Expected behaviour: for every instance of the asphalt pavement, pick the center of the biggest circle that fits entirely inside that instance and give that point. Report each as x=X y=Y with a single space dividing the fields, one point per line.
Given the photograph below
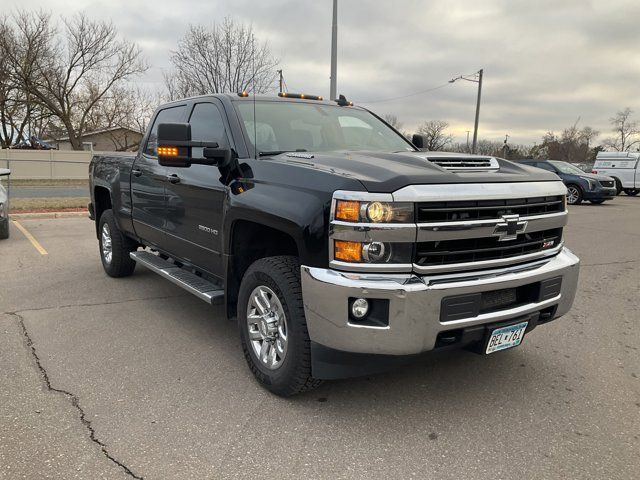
x=135 y=378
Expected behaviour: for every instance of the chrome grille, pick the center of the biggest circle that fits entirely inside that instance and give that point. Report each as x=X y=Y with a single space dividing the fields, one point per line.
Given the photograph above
x=448 y=252
x=487 y=209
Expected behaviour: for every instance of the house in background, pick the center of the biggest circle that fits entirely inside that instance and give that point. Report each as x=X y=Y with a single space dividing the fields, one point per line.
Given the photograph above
x=119 y=139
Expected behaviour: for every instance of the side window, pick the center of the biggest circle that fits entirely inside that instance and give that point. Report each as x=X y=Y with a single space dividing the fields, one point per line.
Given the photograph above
x=545 y=166
x=168 y=115
x=207 y=125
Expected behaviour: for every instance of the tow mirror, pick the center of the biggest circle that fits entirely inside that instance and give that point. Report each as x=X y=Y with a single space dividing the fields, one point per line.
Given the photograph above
x=174 y=144
x=4 y=172
x=418 y=140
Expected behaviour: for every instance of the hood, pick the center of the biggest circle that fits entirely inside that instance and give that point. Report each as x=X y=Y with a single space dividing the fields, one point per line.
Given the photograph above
x=594 y=176
x=388 y=172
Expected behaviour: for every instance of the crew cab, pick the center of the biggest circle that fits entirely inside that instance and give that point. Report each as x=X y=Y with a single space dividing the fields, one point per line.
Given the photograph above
x=337 y=246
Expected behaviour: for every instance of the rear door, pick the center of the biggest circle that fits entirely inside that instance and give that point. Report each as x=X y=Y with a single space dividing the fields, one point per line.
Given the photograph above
x=196 y=195
x=148 y=179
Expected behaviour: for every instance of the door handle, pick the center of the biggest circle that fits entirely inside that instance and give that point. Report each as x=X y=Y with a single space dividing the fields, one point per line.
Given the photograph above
x=136 y=172
x=173 y=178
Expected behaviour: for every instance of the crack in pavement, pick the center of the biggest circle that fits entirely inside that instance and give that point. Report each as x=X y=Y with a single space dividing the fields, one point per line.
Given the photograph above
x=621 y=262
x=115 y=302
x=75 y=401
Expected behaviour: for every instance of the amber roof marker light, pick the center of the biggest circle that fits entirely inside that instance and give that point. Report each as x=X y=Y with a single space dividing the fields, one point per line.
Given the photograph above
x=302 y=96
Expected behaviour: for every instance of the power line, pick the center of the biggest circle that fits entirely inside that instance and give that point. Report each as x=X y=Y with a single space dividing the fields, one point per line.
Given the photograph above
x=407 y=95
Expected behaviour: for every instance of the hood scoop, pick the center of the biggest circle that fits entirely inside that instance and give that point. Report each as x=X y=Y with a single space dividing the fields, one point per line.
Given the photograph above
x=465 y=163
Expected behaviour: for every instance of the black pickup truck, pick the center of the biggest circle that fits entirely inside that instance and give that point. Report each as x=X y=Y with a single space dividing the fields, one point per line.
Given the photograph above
x=339 y=247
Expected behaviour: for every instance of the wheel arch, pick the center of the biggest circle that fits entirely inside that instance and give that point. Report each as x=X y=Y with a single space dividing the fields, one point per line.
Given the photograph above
x=102 y=202
x=244 y=250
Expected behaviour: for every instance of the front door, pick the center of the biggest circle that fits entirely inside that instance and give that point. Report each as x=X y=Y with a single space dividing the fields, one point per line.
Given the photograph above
x=196 y=195
x=148 y=179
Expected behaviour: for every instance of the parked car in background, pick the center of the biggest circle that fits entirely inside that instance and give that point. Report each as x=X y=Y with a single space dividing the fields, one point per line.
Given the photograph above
x=4 y=206
x=580 y=185
x=624 y=167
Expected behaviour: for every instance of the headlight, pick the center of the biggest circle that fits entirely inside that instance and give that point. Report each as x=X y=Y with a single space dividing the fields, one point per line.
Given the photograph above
x=374 y=212
x=592 y=183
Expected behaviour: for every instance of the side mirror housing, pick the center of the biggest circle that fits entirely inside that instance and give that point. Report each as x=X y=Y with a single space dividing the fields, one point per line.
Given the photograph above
x=4 y=172
x=174 y=144
x=418 y=140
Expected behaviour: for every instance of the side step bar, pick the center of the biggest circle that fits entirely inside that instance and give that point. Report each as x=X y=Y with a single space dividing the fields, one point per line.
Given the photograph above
x=205 y=290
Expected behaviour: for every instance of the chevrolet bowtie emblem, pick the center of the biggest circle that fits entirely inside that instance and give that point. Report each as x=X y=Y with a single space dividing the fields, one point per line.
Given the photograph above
x=510 y=227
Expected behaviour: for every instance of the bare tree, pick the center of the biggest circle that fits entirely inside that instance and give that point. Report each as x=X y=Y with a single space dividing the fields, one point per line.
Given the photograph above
x=69 y=68
x=20 y=116
x=627 y=132
x=435 y=135
x=572 y=145
x=224 y=58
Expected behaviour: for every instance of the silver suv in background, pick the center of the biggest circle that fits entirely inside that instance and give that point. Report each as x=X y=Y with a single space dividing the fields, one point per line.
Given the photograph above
x=4 y=205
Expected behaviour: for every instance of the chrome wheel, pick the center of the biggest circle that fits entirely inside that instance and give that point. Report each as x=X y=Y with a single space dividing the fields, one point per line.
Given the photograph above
x=573 y=194
x=107 y=249
x=267 y=324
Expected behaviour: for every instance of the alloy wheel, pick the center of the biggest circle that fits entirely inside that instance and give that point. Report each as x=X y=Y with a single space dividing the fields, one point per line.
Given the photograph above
x=107 y=249
x=267 y=326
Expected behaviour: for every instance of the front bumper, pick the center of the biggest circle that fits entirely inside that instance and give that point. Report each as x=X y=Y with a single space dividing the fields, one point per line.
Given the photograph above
x=414 y=316
x=600 y=193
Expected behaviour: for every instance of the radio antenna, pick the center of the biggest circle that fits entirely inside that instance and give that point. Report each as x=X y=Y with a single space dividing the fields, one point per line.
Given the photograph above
x=255 y=120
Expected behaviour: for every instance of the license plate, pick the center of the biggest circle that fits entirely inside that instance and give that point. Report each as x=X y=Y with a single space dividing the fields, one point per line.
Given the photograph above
x=506 y=337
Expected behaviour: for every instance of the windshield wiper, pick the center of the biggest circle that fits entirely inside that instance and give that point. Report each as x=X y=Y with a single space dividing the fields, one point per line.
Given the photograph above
x=279 y=152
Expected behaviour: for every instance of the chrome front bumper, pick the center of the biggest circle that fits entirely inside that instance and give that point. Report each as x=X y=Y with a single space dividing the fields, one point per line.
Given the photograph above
x=414 y=303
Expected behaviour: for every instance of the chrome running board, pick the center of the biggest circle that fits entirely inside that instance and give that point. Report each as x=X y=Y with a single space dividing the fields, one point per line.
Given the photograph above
x=210 y=292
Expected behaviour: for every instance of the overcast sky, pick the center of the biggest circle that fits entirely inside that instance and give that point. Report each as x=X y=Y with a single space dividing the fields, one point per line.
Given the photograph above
x=546 y=62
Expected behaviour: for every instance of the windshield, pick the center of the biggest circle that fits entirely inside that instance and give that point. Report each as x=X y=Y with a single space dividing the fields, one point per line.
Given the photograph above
x=302 y=126
x=565 y=167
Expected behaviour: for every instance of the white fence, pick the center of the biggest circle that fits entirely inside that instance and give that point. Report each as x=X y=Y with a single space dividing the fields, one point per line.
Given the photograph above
x=46 y=164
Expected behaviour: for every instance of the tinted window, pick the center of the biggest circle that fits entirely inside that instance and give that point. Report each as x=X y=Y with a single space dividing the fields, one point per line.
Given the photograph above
x=545 y=166
x=207 y=125
x=168 y=115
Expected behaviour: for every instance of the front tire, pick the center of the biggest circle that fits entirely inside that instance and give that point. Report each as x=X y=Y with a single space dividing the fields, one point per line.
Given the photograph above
x=597 y=202
x=632 y=192
x=618 y=186
x=273 y=329
x=574 y=195
x=115 y=247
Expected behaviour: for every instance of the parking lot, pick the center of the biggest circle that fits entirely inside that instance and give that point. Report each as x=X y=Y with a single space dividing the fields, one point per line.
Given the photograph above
x=135 y=378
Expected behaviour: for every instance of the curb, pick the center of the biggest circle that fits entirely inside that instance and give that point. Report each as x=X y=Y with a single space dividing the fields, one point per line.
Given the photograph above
x=40 y=215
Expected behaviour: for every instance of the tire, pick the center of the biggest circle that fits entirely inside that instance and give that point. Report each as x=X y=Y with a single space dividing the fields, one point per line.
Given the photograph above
x=618 y=186
x=286 y=366
x=597 y=202
x=4 y=228
x=574 y=194
x=118 y=264
x=632 y=192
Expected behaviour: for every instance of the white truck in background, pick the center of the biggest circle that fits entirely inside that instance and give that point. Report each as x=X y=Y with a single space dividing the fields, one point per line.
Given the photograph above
x=624 y=167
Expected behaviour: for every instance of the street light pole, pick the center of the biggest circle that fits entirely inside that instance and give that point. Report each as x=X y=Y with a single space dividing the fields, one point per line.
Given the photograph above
x=474 y=145
x=280 y=73
x=334 y=52
x=479 y=74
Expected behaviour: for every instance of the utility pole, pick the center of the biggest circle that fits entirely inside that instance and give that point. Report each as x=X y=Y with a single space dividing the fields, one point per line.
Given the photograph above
x=334 y=52
x=477 y=78
x=468 y=131
x=280 y=74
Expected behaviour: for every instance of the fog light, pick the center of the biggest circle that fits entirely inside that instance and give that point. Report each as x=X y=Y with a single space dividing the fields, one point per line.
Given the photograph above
x=359 y=308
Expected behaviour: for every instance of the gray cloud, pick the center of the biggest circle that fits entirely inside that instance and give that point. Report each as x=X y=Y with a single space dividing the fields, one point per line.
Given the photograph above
x=547 y=62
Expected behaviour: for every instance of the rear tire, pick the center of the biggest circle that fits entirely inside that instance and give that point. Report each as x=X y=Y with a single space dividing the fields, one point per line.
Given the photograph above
x=4 y=228
x=273 y=329
x=632 y=192
x=574 y=195
x=115 y=247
